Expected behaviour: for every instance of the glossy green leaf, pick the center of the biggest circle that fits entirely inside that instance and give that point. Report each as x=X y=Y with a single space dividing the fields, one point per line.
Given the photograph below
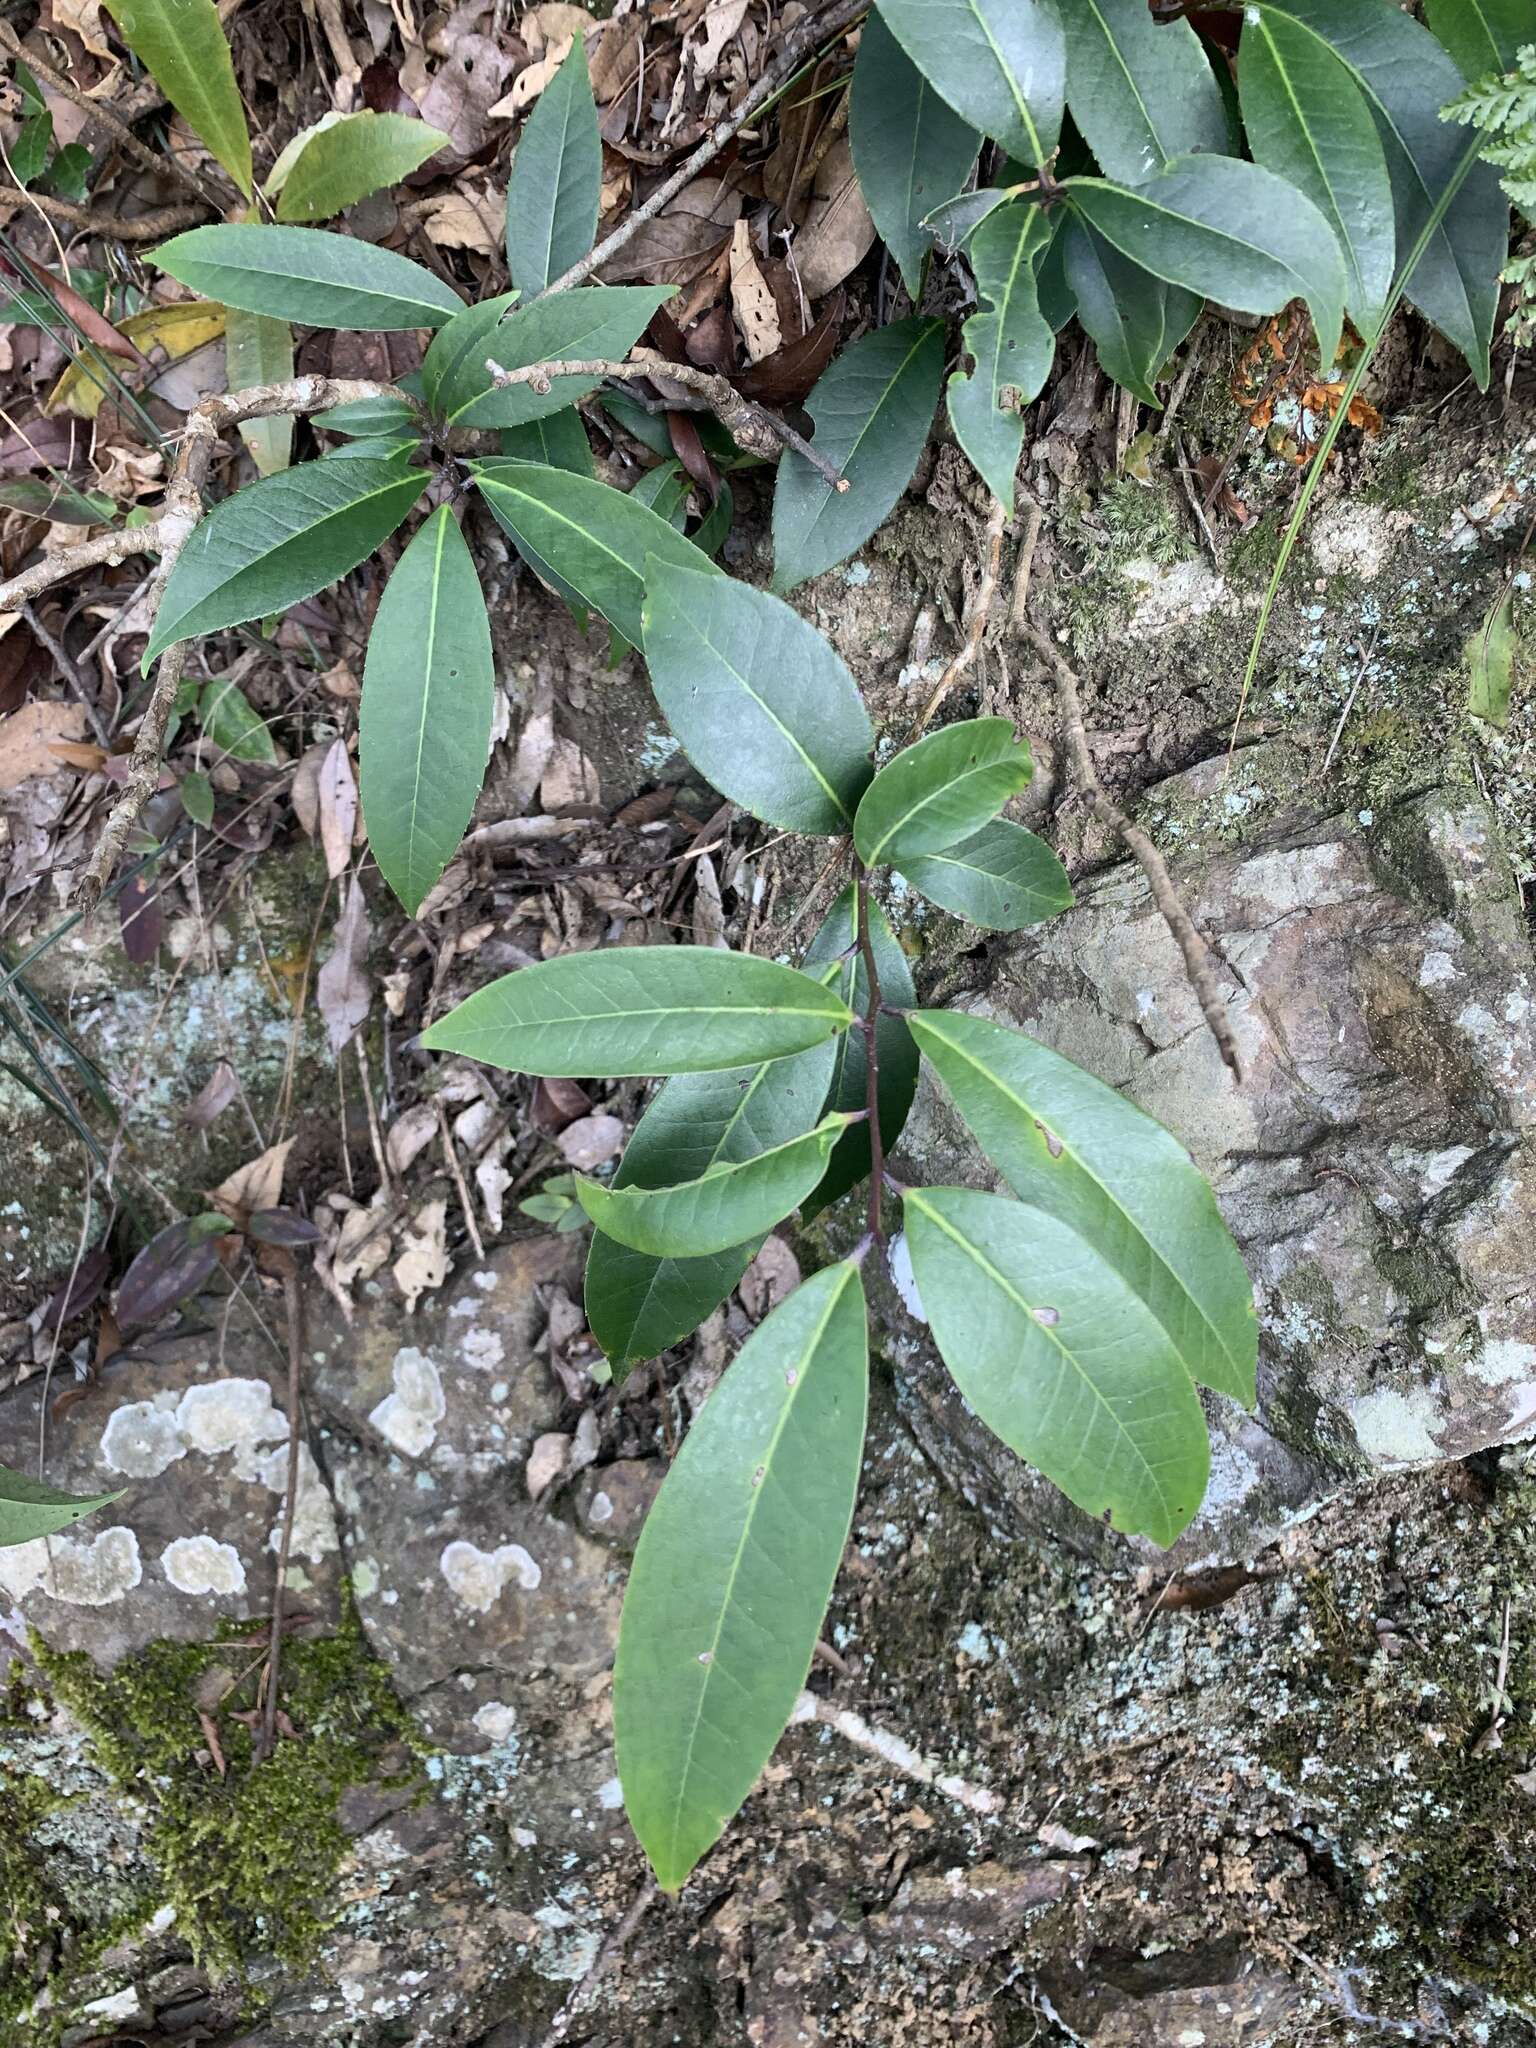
x=429 y=688
x=952 y=220
x=830 y=953
x=1010 y=342
x=1407 y=78
x=599 y=323
x=558 y=441
x=1001 y=64
x=941 y=790
x=734 y=1569
x=233 y=725
x=664 y=490
x=307 y=275
x=1073 y=1147
x=260 y=351
x=29 y=1509
x=1002 y=879
x=1227 y=230
x=1307 y=121
x=1482 y=35
x=910 y=147
x=556 y=181
x=725 y=1207
x=344 y=160
x=761 y=703
x=637 y=1305
x=281 y=540
x=43 y=498
x=370 y=419
x=1135 y=320
x=1059 y=1357
x=1141 y=91
x=595 y=538
x=872 y=406
x=634 y=1010
x=1490 y=656
x=181 y=43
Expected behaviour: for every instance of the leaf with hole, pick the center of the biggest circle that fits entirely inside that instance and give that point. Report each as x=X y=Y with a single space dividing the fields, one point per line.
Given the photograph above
x=760 y=701
x=181 y=43
x=308 y=276
x=429 y=689
x=1002 y=879
x=1227 y=230
x=1073 y=1147
x=556 y=181
x=29 y=1509
x=872 y=408
x=281 y=540
x=941 y=790
x=599 y=323
x=1001 y=64
x=1141 y=91
x=734 y=1569
x=910 y=147
x=1059 y=1357
x=342 y=161
x=1010 y=342
x=637 y=1010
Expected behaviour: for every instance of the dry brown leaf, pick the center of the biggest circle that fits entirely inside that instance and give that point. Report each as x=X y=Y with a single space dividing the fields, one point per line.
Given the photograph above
x=423 y=1266
x=27 y=737
x=306 y=788
x=341 y=987
x=614 y=58
x=530 y=82
x=410 y=1135
x=362 y=1244
x=546 y=1462
x=708 y=913
x=493 y=1179
x=84 y=17
x=683 y=239
x=256 y=1185
x=754 y=305
x=591 y=1142
x=554 y=21
x=772 y=1276
x=720 y=21
x=458 y=220
x=337 y=791
x=213 y=1098
x=838 y=231
x=457 y=97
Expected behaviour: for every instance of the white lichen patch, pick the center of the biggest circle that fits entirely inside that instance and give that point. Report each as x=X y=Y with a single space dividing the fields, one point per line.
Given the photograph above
x=94 y=1574
x=231 y=1415
x=1503 y=1360
x=477 y=1577
x=203 y=1567
x=483 y=1349
x=1173 y=596
x=141 y=1440
x=903 y=1279
x=409 y=1416
x=1355 y=538
x=496 y=1722
x=314 y=1518
x=1394 y=1428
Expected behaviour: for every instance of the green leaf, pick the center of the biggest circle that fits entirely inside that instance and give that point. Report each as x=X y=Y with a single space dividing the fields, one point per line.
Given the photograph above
x=196 y=793
x=872 y=406
x=909 y=146
x=1227 y=230
x=28 y=1509
x=637 y=1305
x=999 y=63
x=558 y=441
x=29 y=152
x=308 y=276
x=429 y=687
x=1011 y=344
x=1141 y=91
x=260 y=351
x=709 y=536
x=1073 y=1147
x=662 y=491
x=20 y=306
x=1308 y=122
x=1059 y=1357
x=1490 y=655
x=556 y=181
x=281 y=540
x=725 y=1207
x=181 y=44
x=734 y=1569
x=1482 y=35
x=941 y=790
x=225 y=714
x=370 y=419
x=1407 y=78
x=599 y=323
x=45 y=499
x=346 y=159
x=1002 y=879
x=596 y=539
x=849 y=1085
x=1134 y=319
x=760 y=701
x=641 y=1010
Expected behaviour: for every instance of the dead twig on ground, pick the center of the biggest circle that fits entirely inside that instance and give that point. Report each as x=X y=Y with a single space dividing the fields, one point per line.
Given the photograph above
x=450 y=1153
x=147 y=227
x=1199 y=960
x=293 y=1300
x=981 y=611
x=894 y=1751
x=64 y=662
x=613 y=1947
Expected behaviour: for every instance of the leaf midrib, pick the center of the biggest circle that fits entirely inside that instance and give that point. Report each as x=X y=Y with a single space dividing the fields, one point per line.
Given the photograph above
x=1282 y=72
x=1205 y=227
x=1026 y=118
x=1130 y=79
x=445 y=517
x=829 y=497
x=877 y=850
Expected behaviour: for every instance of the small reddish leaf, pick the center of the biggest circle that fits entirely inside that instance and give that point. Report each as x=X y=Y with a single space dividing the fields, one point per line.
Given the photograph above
x=143 y=923
x=282 y=1227
x=174 y=1264
x=78 y=1289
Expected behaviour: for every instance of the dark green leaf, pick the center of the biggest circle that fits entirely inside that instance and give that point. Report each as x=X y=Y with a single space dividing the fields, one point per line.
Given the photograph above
x=709 y=536
x=641 y=1010
x=952 y=220
x=309 y=276
x=558 y=441
x=940 y=791
x=345 y=161
x=197 y=797
x=1134 y=319
x=69 y=173
x=181 y=43
x=872 y=407
x=595 y=538
x=1011 y=344
x=1076 y=1149
x=1483 y=35
x=28 y=1509
x=761 y=702
x=662 y=490
x=909 y=146
x=1059 y=1357
x=1491 y=664
x=224 y=712
x=599 y=323
x=1002 y=879
x=29 y=152
x=429 y=687
x=281 y=540
x=1140 y=90
x=1307 y=121
x=734 y=1569
x=999 y=63
x=22 y=307
x=1229 y=231
x=556 y=181
x=44 y=499
x=370 y=418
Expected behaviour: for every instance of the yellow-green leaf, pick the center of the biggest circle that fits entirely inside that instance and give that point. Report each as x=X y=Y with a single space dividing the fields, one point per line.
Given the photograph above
x=181 y=44
x=343 y=160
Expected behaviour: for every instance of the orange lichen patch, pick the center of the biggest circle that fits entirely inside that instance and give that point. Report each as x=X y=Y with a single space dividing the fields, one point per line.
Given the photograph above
x=1272 y=377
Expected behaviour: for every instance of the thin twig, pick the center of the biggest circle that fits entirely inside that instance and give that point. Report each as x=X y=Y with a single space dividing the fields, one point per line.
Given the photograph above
x=1023 y=575
x=1367 y=654
x=1199 y=960
x=895 y=1751
x=751 y=425
x=293 y=1300
x=871 y=1029
x=64 y=662
x=613 y=1947
x=458 y=1180
x=811 y=35
x=63 y=565
x=147 y=227
x=981 y=610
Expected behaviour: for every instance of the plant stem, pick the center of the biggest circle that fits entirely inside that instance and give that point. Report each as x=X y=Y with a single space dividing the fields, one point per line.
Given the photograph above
x=871 y=1026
